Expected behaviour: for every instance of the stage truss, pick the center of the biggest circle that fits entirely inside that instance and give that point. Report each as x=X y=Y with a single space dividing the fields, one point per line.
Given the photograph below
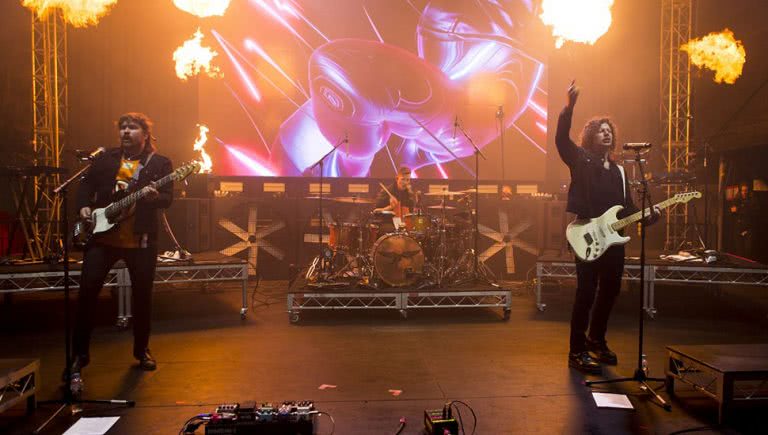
x=675 y=71
x=400 y=299
x=118 y=278
x=657 y=274
x=50 y=117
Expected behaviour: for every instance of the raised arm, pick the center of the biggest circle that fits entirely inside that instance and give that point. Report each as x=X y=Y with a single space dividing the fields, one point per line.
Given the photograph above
x=565 y=146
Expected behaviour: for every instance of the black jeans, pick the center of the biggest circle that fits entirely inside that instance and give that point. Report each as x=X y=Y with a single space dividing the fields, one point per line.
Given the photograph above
x=97 y=261
x=605 y=273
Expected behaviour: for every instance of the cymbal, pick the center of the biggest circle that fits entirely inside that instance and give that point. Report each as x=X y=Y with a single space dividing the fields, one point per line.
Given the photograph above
x=352 y=199
x=443 y=193
x=440 y=207
x=344 y=199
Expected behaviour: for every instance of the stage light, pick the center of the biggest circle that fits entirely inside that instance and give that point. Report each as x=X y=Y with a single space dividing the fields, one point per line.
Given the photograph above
x=578 y=21
x=720 y=52
x=203 y=8
x=202 y=138
x=191 y=58
x=79 y=13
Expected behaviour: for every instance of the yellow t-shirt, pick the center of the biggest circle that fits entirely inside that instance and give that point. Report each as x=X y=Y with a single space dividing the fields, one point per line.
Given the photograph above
x=123 y=236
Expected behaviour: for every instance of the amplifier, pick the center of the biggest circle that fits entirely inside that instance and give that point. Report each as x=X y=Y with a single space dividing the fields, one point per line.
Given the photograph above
x=248 y=418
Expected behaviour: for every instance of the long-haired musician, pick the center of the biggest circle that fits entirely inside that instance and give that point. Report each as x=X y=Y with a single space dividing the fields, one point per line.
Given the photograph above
x=597 y=184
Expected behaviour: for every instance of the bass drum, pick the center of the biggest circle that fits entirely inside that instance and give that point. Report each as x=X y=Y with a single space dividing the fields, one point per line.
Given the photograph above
x=398 y=259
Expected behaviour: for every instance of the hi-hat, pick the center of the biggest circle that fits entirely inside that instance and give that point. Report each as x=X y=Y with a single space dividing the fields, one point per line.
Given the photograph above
x=439 y=207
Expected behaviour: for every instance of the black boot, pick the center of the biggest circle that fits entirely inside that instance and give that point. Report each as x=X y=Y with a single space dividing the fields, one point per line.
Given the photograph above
x=583 y=361
x=146 y=361
x=601 y=352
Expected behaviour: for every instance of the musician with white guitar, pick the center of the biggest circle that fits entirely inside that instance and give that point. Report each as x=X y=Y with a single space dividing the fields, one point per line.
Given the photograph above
x=597 y=184
x=133 y=167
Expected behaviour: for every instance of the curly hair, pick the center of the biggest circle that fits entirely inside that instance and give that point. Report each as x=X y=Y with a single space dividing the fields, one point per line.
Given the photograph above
x=590 y=130
x=144 y=122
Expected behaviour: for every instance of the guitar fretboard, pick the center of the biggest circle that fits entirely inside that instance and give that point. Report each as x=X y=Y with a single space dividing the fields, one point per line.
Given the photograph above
x=118 y=206
x=634 y=217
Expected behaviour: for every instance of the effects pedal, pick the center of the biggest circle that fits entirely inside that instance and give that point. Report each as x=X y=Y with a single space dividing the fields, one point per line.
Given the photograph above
x=440 y=422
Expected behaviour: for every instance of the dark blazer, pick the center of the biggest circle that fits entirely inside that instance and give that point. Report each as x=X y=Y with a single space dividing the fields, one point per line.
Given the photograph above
x=582 y=163
x=98 y=184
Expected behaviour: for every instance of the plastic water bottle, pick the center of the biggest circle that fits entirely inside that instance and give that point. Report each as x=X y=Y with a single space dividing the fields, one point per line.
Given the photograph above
x=645 y=365
x=76 y=385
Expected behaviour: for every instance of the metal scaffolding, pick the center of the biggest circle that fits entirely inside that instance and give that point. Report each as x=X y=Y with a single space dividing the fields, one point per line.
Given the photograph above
x=50 y=108
x=676 y=18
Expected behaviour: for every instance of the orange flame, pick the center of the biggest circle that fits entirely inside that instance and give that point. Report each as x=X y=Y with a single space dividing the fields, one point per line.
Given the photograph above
x=191 y=58
x=79 y=13
x=720 y=52
x=579 y=21
x=203 y=8
x=202 y=138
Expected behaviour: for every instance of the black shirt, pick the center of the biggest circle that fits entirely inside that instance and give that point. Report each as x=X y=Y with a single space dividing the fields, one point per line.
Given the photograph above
x=594 y=189
x=406 y=198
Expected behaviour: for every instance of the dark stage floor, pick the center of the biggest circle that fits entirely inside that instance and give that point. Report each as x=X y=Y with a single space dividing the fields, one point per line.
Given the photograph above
x=514 y=374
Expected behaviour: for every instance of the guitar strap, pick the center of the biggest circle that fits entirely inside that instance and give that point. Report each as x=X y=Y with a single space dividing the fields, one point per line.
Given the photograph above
x=142 y=166
x=623 y=182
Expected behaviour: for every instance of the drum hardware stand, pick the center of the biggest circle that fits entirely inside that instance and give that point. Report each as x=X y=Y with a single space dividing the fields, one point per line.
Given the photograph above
x=640 y=375
x=72 y=387
x=476 y=273
x=325 y=263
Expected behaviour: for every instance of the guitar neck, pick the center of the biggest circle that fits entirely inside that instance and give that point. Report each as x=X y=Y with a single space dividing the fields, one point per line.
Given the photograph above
x=634 y=217
x=131 y=199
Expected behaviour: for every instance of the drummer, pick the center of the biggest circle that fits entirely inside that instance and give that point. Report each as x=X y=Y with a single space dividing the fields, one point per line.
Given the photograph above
x=403 y=197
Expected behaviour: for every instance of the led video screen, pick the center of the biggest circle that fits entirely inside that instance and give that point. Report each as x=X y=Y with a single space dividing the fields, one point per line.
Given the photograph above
x=388 y=83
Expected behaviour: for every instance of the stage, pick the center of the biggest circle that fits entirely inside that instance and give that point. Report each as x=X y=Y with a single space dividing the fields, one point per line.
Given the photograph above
x=514 y=373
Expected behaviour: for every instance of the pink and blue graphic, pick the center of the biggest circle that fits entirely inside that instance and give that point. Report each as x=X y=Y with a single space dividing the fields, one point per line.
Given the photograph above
x=386 y=103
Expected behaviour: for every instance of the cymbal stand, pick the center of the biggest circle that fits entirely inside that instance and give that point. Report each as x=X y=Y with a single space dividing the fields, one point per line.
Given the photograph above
x=478 y=274
x=325 y=263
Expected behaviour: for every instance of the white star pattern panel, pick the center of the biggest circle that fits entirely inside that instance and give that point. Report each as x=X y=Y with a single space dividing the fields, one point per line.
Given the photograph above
x=256 y=231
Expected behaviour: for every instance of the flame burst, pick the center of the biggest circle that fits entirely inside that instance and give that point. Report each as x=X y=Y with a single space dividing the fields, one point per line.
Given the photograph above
x=203 y=8
x=191 y=58
x=202 y=138
x=720 y=52
x=579 y=21
x=79 y=13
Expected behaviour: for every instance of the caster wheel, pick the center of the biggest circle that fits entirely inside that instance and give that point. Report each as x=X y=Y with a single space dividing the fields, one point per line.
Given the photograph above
x=507 y=314
x=294 y=317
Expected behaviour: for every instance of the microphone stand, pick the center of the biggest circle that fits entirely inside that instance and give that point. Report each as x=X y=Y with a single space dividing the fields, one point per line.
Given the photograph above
x=321 y=163
x=71 y=392
x=641 y=375
x=500 y=117
x=478 y=154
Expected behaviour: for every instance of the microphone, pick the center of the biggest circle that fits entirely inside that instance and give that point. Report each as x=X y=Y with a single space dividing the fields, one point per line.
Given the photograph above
x=636 y=146
x=95 y=153
x=500 y=112
x=346 y=137
x=455 y=124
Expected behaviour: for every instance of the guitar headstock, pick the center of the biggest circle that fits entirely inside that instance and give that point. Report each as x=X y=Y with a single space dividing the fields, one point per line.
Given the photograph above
x=187 y=169
x=686 y=196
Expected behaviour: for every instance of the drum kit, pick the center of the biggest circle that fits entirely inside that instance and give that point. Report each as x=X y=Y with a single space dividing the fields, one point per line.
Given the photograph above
x=425 y=247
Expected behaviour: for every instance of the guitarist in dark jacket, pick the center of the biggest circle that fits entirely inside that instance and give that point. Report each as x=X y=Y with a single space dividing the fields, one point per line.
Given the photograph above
x=132 y=166
x=597 y=184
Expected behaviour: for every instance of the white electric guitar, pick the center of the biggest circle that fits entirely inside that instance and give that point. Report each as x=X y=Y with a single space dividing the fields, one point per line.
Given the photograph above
x=590 y=238
x=107 y=218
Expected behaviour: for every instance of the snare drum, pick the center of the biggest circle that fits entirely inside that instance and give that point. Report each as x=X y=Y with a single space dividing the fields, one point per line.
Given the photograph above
x=398 y=259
